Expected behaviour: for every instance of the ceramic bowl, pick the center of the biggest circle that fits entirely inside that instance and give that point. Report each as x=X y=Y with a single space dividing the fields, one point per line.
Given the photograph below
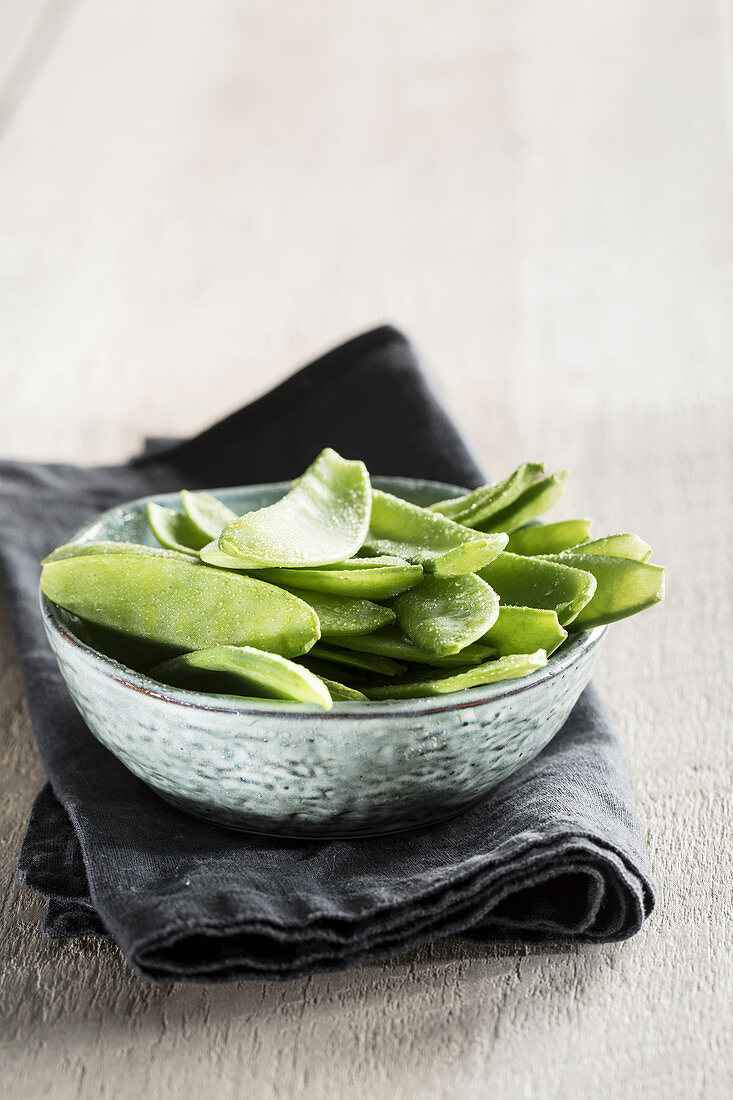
x=296 y=770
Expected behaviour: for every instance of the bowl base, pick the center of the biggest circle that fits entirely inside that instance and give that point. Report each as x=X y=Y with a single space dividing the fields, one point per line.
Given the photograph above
x=333 y=833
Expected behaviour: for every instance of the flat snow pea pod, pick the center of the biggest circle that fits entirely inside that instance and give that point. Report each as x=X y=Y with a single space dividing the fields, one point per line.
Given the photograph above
x=443 y=615
x=233 y=670
x=389 y=641
x=174 y=530
x=324 y=518
x=341 y=693
x=82 y=549
x=624 y=586
x=174 y=602
x=613 y=546
x=417 y=686
x=539 y=582
x=366 y=662
x=426 y=538
x=549 y=538
x=212 y=555
x=366 y=578
x=536 y=499
x=525 y=630
x=344 y=614
x=483 y=502
x=207 y=514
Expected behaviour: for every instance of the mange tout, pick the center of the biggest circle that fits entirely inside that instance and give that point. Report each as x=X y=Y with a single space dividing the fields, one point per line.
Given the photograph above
x=623 y=587
x=180 y=604
x=228 y=669
x=549 y=538
x=364 y=662
x=322 y=519
x=525 y=630
x=85 y=549
x=207 y=515
x=174 y=530
x=344 y=614
x=426 y=538
x=536 y=499
x=376 y=578
x=340 y=693
x=443 y=615
x=614 y=546
x=479 y=505
x=537 y=582
x=417 y=686
x=389 y=641
x=409 y=601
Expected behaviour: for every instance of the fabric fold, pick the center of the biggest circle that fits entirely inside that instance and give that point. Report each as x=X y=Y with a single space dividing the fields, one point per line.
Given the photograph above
x=554 y=854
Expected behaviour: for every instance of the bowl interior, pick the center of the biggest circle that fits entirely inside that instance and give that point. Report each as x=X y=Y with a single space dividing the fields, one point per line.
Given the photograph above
x=128 y=523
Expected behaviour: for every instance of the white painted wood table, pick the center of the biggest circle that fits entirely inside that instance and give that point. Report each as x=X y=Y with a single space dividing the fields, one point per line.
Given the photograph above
x=196 y=198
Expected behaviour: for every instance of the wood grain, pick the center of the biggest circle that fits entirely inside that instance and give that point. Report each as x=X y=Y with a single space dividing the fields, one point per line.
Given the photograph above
x=196 y=198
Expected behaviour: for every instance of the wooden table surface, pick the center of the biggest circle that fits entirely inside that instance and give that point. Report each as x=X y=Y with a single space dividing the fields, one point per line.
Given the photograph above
x=196 y=198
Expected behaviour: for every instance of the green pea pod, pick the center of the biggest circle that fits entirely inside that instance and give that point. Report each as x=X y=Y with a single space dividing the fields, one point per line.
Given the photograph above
x=549 y=538
x=341 y=693
x=366 y=578
x=623 y=587
x=174 y=530
x=525 y=630
x=365 y=662
x=208 y=515
x=426 y=538
x=479 y=505
x=445 y=614
x=417 y=686
x=539 y=582
x=389 y=641
x=612 y=546
x=84 y=549
x=324 y=518
x=344 y=614
x=536 y=499
x=232 y=670
x=212 y=555
x=174 y=602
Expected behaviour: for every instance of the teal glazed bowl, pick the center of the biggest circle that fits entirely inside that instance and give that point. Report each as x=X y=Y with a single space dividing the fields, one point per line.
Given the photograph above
x=296 y=770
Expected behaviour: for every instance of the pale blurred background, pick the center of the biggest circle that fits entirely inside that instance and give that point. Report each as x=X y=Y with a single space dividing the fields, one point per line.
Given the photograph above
x=198 y=197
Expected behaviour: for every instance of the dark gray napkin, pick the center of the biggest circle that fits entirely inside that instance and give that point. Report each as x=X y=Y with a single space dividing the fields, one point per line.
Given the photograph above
x=553 y=854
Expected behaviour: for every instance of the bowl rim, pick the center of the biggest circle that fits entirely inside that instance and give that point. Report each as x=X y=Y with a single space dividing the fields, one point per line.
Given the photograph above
x=571 y=651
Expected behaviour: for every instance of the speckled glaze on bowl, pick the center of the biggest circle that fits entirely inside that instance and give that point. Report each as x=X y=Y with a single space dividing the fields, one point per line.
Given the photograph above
x=296 y=770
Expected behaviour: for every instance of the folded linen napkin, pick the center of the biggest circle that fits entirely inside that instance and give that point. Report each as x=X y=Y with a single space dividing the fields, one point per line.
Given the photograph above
x=554 y=854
